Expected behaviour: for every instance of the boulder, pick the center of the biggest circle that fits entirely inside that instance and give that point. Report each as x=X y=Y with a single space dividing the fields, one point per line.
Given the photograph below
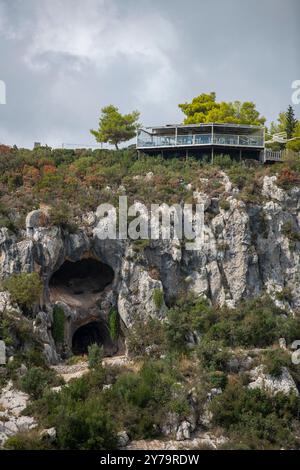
x=184 y=431
x=123 y=439
x=2 y=353
x=284 y=383
x=48 y=434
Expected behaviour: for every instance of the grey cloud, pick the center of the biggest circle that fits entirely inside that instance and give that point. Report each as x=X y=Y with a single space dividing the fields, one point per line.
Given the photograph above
x=62 y=60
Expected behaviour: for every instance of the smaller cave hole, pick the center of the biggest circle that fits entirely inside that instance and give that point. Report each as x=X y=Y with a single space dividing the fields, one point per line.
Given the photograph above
x=91 y=333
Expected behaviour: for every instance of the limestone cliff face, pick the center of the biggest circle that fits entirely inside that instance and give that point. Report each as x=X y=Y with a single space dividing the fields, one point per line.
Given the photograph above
x=248 y=248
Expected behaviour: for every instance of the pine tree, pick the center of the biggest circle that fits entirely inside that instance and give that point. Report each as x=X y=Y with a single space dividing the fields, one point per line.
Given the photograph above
x=291 y=122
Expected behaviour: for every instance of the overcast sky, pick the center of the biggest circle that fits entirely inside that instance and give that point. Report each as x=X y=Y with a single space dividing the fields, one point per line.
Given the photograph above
x=62 y=60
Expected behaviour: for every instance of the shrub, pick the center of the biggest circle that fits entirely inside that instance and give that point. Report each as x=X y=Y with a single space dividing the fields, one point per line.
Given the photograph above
x=113 y=324
x=95 y=355
x=289 y=232
x=140 y=245
x=213 y=354
x=184 y=319
x=158 y=298
x=284 y=295
x=36 y=380
x=275 y=360
x=224 y=204
x=61 y=216
x=88 y=427
x=255 y=322
x=27 y=441
x=254 y=417
x=288 y=178
x=218 y=379
x=145 y=335
x=25 y=289
x=17 y=332
x=58 y=326
x=223 y=161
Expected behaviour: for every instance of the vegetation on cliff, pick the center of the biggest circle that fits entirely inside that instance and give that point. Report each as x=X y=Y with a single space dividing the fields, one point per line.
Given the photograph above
x=172 y=377
x=72 y=182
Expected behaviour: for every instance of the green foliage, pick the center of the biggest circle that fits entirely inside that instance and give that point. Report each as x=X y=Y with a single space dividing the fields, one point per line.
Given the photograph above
x=114 y=127
x=291 y=122
x=224 y=204
x=72 y=181
x=139 y=245
x=256 y=323
x=95 y=356
x=61 y=216
x=253 y=323
x=36 y=380
x=205 y=109
x=113 y=324
x=58 y=326
x=254 y=418
x=223 y=161
x=158 y=298
x=150 y=394
x=27 y=441
x=145 y=335
x=274 y=360
x=86 y=416
x=213 y=354
x=284 y=295
x=218 y=379
x=25 y=289
x=290 y=232
x=184 y=319
x=18 y=333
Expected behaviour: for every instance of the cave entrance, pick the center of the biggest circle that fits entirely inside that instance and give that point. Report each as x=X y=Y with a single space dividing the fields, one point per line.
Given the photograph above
x=91 y=333
x=87 y=276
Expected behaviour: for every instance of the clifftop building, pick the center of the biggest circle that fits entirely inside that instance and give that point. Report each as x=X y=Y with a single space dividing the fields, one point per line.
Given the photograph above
x=240 y=141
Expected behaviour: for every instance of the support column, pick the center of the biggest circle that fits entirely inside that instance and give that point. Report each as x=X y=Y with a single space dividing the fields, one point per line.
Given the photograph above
x=212 y=143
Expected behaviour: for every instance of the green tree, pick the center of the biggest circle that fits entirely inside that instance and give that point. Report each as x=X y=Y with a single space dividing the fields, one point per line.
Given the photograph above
x=205 y=109
x=291 y=122
x=295 y=143
x=95 y=356
x=113 y=324
x=58 y=326
x=115 y=127
x=36 y=380
x=25 y=289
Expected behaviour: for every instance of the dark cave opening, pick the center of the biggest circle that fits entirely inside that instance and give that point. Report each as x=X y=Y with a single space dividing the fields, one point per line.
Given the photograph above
x=91 y=333
x=85 y=276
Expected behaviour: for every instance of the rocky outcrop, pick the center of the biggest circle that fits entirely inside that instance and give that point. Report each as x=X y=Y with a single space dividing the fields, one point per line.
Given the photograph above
x=284 y=383
x=202 y=440
x=12 y=403
x=247 y=249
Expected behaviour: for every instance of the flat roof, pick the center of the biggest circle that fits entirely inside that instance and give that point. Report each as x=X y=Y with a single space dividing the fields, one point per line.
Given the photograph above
x=186 y=126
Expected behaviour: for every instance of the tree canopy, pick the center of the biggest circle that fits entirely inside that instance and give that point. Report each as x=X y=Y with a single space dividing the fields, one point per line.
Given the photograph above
x=115 y=127
x=287 y=122
x=205 y=109
x=25 y=289
x=291 y=122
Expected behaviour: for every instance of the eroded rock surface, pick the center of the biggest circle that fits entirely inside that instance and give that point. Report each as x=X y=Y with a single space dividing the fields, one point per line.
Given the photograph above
x=12 y=403
x=248 y=248
x=283 y=383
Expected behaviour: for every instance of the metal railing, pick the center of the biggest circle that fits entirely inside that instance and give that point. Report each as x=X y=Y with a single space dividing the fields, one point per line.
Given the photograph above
x=274 y=156
x=148 y=140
